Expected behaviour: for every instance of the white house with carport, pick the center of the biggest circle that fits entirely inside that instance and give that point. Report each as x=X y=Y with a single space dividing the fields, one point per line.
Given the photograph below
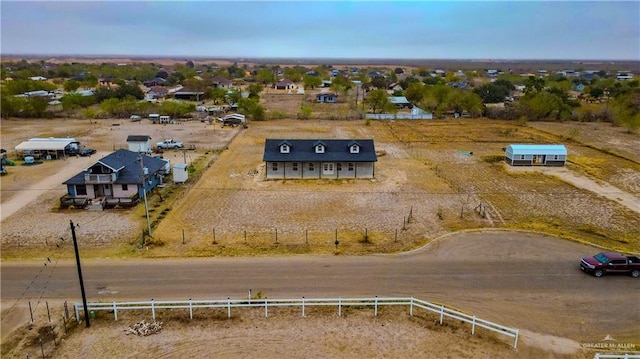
x=313 y=159
x=535 y=155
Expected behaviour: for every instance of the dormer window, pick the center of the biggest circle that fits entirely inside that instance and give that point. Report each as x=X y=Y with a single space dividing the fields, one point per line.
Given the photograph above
x=284 y=148
x=354 y=148
x=320 y=148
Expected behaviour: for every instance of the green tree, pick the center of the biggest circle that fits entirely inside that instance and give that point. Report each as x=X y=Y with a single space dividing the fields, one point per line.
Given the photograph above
x=251 y=107
x=255 y=90
x=491 y=93
x=534 y=85
x=378 y=101
x=626 y=110
x=311 y=81
x=218 y=95
x=265 y=76
x=71 y=85
x=545 y=105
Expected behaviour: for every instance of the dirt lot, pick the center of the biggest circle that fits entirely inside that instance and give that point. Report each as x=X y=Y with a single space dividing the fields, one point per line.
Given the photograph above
x=427 y=183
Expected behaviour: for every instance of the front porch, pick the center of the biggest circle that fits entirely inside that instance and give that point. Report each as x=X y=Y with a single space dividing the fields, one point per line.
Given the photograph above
x=99 y=203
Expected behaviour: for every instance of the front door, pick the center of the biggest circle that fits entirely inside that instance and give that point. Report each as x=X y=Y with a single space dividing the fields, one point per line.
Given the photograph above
x=107 y=190
x=327 y=168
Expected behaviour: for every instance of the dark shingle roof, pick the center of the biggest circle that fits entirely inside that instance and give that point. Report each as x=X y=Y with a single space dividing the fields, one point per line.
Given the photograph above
x=304 y=151
x=128 y=161
x=138 y=138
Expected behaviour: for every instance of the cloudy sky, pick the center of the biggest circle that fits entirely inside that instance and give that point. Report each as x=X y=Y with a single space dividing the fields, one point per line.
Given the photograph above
x=326 y=29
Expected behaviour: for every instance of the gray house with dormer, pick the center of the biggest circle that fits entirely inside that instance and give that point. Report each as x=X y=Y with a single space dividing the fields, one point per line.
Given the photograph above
x=314 y=159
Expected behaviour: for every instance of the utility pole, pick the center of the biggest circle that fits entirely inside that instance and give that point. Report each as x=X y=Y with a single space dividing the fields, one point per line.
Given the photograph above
x=84 y=296
x=144 y=194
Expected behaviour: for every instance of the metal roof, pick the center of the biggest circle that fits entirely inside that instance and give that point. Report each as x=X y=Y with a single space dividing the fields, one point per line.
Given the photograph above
x=534 y=149
x=304 y=151
x=45 y=144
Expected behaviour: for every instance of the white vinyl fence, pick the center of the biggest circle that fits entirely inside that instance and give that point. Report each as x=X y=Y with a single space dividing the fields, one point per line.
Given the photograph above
x=303 y=302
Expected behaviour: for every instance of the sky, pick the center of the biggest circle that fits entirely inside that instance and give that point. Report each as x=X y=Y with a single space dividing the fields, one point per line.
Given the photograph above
x=564 y=30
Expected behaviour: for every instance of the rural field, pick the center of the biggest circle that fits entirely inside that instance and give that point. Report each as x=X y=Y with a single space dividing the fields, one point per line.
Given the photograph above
x=432 y=178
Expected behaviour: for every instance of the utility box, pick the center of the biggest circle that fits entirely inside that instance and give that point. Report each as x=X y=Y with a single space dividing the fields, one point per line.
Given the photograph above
x=180 y=173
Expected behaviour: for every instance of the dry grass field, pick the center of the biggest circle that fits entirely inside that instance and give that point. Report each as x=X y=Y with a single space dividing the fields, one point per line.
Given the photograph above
x=427 y=184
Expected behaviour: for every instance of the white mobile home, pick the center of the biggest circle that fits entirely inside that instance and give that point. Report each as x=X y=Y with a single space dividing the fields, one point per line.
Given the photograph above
x=535 y=155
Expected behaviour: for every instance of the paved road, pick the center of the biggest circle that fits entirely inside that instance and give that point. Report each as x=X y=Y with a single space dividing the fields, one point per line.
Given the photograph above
x=522 y=280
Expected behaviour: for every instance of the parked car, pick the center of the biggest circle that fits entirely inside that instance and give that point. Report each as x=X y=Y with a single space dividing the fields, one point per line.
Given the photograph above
x=136 y=118
x=86 y=151
x=611 y=262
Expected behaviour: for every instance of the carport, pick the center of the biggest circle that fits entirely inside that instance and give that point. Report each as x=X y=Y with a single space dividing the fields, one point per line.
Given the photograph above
x=46 y=148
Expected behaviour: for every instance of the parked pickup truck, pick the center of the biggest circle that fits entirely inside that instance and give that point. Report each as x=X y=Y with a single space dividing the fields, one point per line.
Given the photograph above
x=610 y=262
x=169 y=143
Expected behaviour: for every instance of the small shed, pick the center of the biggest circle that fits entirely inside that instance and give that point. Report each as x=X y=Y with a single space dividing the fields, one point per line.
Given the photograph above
x=536 y=155
x=139 y=143
x=180 y=173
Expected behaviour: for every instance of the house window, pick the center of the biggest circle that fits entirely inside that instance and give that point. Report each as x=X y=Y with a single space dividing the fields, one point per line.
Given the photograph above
x=81 y=190
x=294 y=166
x=274 y=166
x=555 y=157
x=327 y=168
x=355 y=149
x=319 y=149
x=522 y=157
x=311 y=167
x=351 y=166
x=339 y=166
x=125 y=187
x=284 y=149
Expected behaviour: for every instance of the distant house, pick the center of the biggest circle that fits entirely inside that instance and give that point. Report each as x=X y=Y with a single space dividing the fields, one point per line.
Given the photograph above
x=120 y=178
x=326 y=83
x=106 y=81
x=139 y=143
x=220 y=82
x=313 y=159
x=156 y=81
x=534 y=154
x=38 y=78
x=285 y=84
x=624 y=76
x=579 y=87
x=156 y=93
x=188 y=94
x=400 y=101
x=327 y=97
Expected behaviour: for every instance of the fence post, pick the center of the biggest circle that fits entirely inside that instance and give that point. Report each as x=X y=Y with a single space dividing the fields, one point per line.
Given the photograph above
x=411 y=308
x=473 y=326
x=190 y=309
x=339 y=307
x=515 y=341
x=376 y=307
x=115 y=310
x=48 y=312
x=75 y=307
x=228 y=307
x=303 y=306
x=31 y=312
x=441 y=314
x=153 y=310
x=266 y=314
x=64 y=323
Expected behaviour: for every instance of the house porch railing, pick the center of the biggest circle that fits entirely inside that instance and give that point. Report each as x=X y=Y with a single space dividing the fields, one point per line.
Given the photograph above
x=99 y=178
x=79 y=202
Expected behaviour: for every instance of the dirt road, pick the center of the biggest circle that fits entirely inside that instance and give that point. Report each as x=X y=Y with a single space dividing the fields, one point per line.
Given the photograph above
x=521 y=280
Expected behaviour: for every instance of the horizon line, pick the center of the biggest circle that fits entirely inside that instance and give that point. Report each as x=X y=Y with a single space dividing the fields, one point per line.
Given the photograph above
x=243 y=58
